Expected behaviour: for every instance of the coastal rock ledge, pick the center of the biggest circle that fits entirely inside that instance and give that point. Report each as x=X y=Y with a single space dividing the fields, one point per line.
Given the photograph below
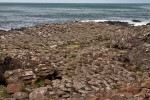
x=75 y=61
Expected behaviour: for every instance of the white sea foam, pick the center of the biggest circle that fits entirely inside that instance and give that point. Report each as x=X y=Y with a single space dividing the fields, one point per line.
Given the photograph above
x=128 y=21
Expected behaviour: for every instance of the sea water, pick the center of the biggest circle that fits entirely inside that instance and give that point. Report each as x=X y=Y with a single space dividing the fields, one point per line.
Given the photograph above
x=16 y=15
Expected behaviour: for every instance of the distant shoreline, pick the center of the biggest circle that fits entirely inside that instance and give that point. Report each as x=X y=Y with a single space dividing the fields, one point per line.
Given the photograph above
x=115 y=22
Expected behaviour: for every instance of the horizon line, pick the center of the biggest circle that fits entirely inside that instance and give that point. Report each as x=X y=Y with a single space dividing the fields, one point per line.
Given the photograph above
x=83 y=2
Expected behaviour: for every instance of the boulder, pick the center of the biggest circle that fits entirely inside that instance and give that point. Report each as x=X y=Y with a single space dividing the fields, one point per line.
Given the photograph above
x=9 y=63
x=146 y=84
x=134 y=20
x=38 y=94
x=29 y=75
x=91 y=97
x=13 y=88
x=47 y=82
x=20 y=95
x=43 y=71
x=131 y=68
x=20 y=75
x=118 y=97
x=133 y=89
x=77 y=97
x=2 y=79
x=117 y=23
x=148 y=24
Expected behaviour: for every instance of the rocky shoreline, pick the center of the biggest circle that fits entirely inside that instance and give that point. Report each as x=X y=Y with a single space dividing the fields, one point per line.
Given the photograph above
x=75 y=61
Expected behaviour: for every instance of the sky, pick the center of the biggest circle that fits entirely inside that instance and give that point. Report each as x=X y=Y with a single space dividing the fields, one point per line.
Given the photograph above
x=80 y=1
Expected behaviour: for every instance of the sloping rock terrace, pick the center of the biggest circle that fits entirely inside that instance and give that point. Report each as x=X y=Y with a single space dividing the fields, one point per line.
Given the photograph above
x=76 y=61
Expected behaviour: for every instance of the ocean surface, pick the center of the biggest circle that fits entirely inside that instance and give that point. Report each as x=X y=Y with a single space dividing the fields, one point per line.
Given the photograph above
x=16 y=15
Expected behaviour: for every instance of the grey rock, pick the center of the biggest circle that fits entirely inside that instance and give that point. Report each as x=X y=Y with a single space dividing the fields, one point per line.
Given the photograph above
x=44 y=70
x=20 y=95
x=20 y=75
x=38 y=94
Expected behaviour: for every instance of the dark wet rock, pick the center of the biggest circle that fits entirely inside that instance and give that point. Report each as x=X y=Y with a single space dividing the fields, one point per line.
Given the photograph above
x=136 y=20
x=8 y=63
x=2 y=79
x=3 y=32
x=117 y=23
x=18 y=29
x=76 y=21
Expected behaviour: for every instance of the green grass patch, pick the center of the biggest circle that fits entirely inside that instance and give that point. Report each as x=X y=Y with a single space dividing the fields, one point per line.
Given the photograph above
x=3 y=92
x=39 y=83
x=23 y=88
x=114 y=87
x=140 y=74
x=101 y=38
x=72 y=46
x=72 y=56
x=139 y=69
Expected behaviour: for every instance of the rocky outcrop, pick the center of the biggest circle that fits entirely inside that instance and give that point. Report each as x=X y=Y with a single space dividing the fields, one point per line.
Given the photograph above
x=140 y=56
x=43 y=71
x=117 y=23
x=38 y=94
x=13 y=88
x=20 y=95
x=134 y=20
x=29 y=75
x=76 y=61
x=20 y=75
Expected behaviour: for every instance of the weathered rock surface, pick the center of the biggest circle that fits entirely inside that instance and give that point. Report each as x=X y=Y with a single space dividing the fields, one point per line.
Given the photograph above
x=29 y=75
x=20 y=76
x=38 y=94
x=13 y=88
x=20 y=95
x=43 y=70
x=146 y=84
x=76 y=61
